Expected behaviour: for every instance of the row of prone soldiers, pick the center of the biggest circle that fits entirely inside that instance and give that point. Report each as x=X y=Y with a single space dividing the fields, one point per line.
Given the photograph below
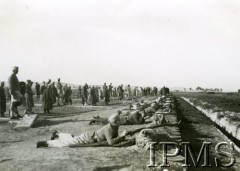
x=108 y=134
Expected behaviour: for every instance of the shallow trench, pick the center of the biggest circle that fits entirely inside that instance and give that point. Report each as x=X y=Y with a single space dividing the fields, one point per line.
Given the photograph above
x=196 y=128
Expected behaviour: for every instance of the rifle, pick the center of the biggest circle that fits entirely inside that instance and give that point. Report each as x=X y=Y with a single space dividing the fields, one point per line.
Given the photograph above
x=98 y=144
x=150 y=127
x=124 y=143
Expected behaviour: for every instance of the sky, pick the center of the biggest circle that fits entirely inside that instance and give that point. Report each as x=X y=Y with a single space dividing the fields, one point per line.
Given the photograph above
x=172 y=43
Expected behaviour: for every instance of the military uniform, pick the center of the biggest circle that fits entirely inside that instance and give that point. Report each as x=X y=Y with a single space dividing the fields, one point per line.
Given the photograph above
x=59 y=92
x=16 y=96
x=2 y=102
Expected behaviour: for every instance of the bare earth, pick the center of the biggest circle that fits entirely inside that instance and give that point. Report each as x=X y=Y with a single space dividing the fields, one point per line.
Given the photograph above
x=18 y=147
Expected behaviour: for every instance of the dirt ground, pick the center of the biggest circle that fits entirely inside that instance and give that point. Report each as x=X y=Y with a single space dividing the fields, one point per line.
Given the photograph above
x=226 y=101
x=18 y=147
x=196 y=128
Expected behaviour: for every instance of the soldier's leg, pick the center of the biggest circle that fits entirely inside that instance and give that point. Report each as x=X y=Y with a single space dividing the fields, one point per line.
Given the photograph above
x=2 y=114
x=63 y=100
x=30 y=109
x=58 y=101
x=13 y=107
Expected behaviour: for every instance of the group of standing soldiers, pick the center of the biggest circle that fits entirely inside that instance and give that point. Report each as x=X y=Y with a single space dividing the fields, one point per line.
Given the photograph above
x=92 y=94
x=21 y=93
x=51 y=94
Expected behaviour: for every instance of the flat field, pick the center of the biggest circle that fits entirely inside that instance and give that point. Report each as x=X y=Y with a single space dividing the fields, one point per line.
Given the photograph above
x=18 y=147
x=226 y=101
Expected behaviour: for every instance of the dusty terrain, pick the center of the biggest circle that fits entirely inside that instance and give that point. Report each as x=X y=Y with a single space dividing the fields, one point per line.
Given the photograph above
x=197 y=128
x=18 y=147
x=226 y=101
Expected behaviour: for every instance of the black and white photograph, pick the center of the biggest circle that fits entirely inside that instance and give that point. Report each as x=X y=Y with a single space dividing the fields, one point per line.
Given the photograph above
x=119 y=85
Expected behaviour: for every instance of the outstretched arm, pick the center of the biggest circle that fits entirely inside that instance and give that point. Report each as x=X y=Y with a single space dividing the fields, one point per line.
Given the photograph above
x=100 y=144
x=126 y=143
x=112 y=141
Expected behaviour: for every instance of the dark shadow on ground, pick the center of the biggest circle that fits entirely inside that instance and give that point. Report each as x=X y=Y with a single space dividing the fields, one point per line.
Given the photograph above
x=43 y=122
x=53 y=115
x=111 y=168
x=189 y=117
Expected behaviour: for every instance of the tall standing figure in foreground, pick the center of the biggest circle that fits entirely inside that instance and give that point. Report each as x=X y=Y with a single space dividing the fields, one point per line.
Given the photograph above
x=16 y=96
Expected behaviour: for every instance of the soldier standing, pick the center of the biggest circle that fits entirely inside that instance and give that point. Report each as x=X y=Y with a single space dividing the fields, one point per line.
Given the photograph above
x=59 y=92
x=16 y=96
x=37 y=88
x=2 y=100
x=29 y=98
